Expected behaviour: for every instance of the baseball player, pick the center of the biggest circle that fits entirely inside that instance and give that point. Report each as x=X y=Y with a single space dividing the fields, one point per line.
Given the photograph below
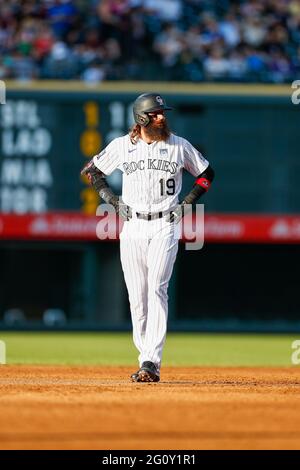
x=152 y=160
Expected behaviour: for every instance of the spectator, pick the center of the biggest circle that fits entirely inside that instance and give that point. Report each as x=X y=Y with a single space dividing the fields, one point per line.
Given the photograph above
x=61 y=15
x=216 y=66
x=230 y=31
x=254 y=31
x=239 y=40
x=256 y=63
x=279 y=66
x=43 y=42
x=168 y=11
x=237 y=66
x=94 y=73
x=169 y=45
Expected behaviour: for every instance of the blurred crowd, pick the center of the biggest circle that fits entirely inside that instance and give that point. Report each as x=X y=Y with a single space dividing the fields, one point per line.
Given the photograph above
x=190 y=40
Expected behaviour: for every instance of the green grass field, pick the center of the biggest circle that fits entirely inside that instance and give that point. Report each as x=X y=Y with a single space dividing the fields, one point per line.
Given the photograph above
x=182 y=349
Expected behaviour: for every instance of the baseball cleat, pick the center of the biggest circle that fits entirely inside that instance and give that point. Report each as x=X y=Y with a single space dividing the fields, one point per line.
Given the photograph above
x=148 y=373
x=134 y=377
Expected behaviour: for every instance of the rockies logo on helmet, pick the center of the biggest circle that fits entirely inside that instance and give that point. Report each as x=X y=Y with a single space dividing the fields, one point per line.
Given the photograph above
x=147 y=103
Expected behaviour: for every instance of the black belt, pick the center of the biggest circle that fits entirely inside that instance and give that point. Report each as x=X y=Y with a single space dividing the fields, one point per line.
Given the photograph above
x=149 y=216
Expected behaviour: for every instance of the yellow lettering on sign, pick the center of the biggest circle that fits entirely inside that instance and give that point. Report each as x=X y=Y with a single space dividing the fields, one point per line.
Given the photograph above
x=90 y=201
x=90 y=142
x=91 y=110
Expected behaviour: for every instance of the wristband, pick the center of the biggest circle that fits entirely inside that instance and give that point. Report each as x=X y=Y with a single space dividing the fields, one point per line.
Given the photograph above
x=204 y=183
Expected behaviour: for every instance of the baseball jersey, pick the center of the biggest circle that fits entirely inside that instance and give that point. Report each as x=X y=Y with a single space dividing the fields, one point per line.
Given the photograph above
x=152 y=173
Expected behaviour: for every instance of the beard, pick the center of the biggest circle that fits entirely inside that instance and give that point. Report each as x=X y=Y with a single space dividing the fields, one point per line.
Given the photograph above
x=158 y=131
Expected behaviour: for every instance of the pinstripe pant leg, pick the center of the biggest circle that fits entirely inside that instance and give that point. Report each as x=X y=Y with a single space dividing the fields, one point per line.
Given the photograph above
x=161 y=257
x=134 y=264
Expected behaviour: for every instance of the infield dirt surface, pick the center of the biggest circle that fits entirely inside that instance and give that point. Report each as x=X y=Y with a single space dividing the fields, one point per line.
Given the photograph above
x=49 y=407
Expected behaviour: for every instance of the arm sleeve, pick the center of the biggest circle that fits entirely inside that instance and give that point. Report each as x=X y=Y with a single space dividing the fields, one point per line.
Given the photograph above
x=98 y=181
x=194 y=162
x=109 y=159
x=201 y=186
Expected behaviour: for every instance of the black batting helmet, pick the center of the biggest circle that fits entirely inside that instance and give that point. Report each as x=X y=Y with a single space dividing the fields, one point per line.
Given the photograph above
x=147 y=103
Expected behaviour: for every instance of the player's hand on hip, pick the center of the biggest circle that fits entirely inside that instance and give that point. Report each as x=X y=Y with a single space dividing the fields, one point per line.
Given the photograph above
x=176 y=215
x=123 y=210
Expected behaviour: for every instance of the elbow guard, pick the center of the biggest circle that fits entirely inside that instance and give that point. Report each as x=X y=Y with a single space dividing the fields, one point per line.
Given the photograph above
x=95 y=176
x=98 y=181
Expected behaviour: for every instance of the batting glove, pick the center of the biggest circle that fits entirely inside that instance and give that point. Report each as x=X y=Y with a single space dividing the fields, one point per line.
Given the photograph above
x=123 y=210
x=176 y=214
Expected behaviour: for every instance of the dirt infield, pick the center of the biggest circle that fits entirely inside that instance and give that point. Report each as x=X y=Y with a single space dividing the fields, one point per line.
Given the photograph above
x=47 y=407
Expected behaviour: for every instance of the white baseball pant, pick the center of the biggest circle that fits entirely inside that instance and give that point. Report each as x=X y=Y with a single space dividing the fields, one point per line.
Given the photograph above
x=148 y=252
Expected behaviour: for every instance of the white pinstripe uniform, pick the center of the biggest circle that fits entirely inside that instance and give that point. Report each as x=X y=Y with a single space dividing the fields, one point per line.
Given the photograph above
x=149 y=247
